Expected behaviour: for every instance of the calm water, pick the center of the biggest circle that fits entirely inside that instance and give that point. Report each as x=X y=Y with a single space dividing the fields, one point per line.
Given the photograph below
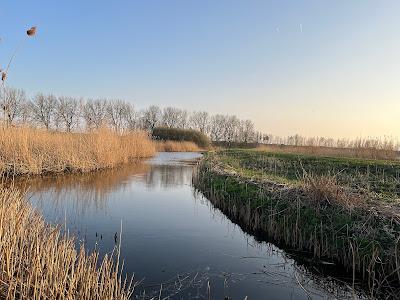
x=172 y=237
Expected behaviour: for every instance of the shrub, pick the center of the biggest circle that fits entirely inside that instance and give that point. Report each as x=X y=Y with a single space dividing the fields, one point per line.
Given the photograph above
x=176 y=134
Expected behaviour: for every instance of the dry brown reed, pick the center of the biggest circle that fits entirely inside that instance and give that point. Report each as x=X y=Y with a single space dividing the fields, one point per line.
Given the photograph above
x=25 y=150
x=361 y=151
x=37 y=261
x=325 y=190
x=174 y=146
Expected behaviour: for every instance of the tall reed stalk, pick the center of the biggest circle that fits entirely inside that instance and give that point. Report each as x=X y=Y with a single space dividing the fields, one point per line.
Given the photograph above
x=37 y=261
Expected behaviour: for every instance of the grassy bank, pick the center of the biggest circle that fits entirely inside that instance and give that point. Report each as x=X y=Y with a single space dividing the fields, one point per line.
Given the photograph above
x=388 y=151
x=38 y=262
x=342 y=211
x=25 y=150
x=175 y=146
x=377 y=176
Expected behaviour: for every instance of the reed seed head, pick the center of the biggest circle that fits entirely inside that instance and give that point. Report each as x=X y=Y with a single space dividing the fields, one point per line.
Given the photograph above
x=31 y=31
x=3 y=76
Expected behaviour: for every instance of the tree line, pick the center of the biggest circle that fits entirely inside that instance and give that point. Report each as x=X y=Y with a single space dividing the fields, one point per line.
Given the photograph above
x=76 y=114
x=384 y=143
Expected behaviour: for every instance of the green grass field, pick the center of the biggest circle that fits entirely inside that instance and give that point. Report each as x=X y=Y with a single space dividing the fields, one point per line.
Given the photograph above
x=342 y=210
x=378 y=176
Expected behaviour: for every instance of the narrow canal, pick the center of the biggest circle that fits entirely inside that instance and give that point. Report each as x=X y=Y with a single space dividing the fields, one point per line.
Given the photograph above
x=173 y=241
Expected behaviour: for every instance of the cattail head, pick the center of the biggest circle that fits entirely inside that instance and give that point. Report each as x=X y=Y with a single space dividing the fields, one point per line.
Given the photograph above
x=31 y=31
x=3 y=76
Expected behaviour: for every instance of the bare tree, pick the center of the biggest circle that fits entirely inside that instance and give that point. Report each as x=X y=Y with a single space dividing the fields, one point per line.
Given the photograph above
x=231 y=128
x=183 y=119
x=25 y=112
x=224 y=128
x=247 y=132
x=132 y=118
x=217 y=127
x=12 y=101
x=171 y=117
x=200 y=120
x=94 y=113
x=68 y=112
x=116 y=112
x=151 y=117
x=43 y=107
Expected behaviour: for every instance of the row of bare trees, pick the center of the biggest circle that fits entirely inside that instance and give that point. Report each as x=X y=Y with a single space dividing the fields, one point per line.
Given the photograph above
x=74 y=114
x=385 y=142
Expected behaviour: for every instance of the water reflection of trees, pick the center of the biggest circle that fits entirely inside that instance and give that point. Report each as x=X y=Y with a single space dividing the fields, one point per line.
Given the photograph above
x=168 y=176
x=88 y=191
x=81 y=193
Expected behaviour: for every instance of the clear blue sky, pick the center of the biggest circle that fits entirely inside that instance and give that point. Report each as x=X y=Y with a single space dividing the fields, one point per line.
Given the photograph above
x=326 y=68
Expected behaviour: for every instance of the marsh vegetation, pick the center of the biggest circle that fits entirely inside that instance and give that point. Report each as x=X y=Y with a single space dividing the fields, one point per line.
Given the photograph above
x=173 y=239
x=176 y=146
x=342 y=211
x=38 y=261
x=31 y=151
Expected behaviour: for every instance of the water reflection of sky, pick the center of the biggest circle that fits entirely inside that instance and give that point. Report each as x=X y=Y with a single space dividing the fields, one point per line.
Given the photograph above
x=171 y=234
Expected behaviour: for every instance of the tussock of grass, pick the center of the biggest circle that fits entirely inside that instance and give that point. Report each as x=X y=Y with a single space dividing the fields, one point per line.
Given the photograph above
x=25 y=150
x=174 y=146
x=38 y=262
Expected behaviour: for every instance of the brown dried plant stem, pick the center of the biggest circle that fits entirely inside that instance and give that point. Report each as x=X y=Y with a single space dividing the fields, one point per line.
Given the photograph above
x=175 y=146
x=37 y=261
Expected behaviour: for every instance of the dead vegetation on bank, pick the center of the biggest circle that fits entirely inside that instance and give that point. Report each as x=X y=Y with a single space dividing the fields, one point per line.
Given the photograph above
x=355 y=230
x=37 y=261
x=175 y=146
x=25 y=150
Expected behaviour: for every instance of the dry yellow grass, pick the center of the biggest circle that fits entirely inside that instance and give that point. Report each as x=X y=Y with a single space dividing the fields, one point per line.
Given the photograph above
x=357 y=152
x=25 y=150
x=38 y=262
x=175 y=146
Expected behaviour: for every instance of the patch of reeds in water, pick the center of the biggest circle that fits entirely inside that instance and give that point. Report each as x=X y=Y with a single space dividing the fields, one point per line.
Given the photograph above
x=175 y=146
x=25 y=150
x=37 y=261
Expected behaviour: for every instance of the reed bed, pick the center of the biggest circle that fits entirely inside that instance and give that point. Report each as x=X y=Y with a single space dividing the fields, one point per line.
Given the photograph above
x=37 y=261
x=345 y=226
x=384 y=151
x=25 y=150
x=175 y=146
